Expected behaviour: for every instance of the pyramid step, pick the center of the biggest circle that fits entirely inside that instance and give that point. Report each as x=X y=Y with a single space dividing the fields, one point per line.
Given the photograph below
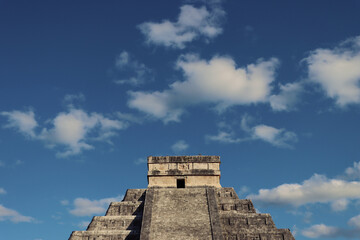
x=226 y=192
x=105 y=235
x=135 y=195
x=125 y=208
x=228 y=200
x=245 y=234
x=115 y=223
x=247 y=221
x=238 y=205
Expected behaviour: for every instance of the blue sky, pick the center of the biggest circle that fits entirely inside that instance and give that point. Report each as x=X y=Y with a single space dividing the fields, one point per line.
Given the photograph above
x=88 y=90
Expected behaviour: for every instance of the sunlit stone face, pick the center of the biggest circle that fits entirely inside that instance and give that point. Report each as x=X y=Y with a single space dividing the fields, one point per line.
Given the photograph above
x=190 y=171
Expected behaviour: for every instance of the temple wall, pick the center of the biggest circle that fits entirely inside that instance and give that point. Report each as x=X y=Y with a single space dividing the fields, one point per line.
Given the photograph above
x=195 y=170
x=190 y=181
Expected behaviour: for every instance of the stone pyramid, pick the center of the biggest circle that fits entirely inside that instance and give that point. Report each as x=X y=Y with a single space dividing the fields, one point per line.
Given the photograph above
x=184 y=201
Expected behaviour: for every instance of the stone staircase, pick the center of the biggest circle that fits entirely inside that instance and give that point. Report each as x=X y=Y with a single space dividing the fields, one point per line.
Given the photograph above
x=240 y=221
x=121 y=222
x=177 y=214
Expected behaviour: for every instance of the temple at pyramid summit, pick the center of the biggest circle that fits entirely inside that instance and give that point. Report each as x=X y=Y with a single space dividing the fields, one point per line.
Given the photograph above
x=183 y=201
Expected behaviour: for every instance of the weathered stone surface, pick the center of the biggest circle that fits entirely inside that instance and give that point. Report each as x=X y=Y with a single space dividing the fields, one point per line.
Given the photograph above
x=202 y=210
x=105 y=235
x=240 y=221
x=184 y=159
x=115 y=223
x=196 y=171
x=215 y=221
x=121 y=222
x=180 y=214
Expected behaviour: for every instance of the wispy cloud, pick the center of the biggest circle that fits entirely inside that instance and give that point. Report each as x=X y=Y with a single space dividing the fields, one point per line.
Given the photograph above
x=287 y=98
x=18 y=162
x=12 y=164
x=244 y=189
x=180 y=146
x=64 y=202
x=87 y=207
x=13 y=216
x=337 y=71
x=2 y=191
x=226 y=137
x=83 y=224
x=320 y=231
x=130 y=71
x=306 y=215
x=276 y=137
x=353 y=172
x=192 y=23
x=73 y=100
x=140 y=161
x=23 y=121
x=218 y=81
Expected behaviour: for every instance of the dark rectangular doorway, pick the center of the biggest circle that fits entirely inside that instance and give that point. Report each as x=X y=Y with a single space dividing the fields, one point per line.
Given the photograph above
x=180 y=183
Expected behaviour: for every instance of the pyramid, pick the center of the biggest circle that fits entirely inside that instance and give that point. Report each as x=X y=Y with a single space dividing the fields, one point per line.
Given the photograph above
x=184 y=200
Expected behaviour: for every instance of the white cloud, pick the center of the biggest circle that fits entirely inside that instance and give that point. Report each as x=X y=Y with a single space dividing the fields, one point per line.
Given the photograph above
x=324 y=231
x=156 y=104
x=218 y=81
x=130 y=71
x=71 y=131
x=24 y=122
x=276 y=137
x=87 y=207
x=2 y=191
x=179 y=146
x=339 y=205
x=355 y=222
x=192 y=23
x=320 y=231
x=317 y=189
x=337 y=71
x=13 y=216
x=2 y=164
x=287 y=98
